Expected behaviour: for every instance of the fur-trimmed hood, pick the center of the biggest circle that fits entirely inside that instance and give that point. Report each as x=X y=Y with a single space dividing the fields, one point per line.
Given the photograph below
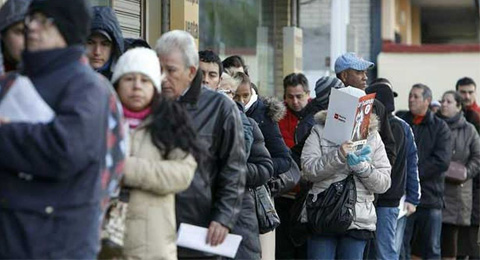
x=276 y=110
x=321 y=117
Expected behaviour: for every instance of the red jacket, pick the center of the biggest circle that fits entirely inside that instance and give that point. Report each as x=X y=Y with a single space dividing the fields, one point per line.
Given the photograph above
x=288 y=125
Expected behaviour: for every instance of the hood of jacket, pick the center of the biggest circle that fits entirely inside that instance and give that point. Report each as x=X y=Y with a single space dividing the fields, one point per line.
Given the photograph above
x=276 y=109
x=104 y=18
x=13 y=11
x=321 y=117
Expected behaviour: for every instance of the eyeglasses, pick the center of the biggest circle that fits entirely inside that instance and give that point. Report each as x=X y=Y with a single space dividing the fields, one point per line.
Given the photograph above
x=40 y=19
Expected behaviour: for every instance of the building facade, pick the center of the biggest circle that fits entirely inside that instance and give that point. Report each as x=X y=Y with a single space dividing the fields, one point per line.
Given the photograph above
x=434 y=42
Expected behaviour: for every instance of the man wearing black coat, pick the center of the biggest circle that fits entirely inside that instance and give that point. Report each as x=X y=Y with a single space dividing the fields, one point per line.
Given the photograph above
x=432 y=137
x=50 y=185
x=214 y=198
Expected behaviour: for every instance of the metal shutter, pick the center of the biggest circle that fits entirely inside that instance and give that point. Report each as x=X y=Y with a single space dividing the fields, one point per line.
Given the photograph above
x=129 y=15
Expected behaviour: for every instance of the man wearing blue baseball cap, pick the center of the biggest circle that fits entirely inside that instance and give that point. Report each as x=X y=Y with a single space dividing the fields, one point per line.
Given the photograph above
x=352 y=70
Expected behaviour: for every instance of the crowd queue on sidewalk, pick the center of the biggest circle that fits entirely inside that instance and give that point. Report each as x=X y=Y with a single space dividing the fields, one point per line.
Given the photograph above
x=144 y=139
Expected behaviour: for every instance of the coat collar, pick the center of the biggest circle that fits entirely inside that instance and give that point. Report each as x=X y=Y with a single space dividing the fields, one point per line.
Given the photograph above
x=427 y=120
x=45 y=62
x=193 y=92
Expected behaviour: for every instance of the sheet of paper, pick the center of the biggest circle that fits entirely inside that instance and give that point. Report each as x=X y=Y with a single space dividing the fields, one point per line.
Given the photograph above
x=403 y=211
x=194 y=237
x=22 y=103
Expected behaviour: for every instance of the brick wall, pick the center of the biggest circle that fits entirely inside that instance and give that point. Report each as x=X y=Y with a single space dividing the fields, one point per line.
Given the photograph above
x=360 y=23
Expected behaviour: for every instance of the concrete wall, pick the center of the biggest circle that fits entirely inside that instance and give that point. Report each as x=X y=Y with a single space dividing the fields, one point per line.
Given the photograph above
x=439 y=71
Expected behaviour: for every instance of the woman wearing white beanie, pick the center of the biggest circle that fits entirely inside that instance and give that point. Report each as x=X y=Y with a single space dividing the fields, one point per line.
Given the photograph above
x=163 y=156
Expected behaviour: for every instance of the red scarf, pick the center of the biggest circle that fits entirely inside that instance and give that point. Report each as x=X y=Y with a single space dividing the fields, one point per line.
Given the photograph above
x=473 y=107
x=418 y=119
x=134 y=119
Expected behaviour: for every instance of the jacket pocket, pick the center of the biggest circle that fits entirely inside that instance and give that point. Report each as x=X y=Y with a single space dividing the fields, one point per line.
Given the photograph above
x=365 y=215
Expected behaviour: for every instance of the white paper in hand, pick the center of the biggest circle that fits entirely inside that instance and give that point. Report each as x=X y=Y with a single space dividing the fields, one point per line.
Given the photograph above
x=195 y=237
x=22 y=103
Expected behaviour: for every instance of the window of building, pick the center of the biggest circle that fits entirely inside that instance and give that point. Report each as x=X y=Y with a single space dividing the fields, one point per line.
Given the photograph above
x=450 y=25
x=235 y=27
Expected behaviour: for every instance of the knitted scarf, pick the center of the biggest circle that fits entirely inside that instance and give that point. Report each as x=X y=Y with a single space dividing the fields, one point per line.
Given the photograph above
x=134 y=119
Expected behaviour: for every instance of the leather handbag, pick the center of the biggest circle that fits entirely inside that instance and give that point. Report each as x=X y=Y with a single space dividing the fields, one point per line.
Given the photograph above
x=333 y=210
x=267 y=216
x=456 y=173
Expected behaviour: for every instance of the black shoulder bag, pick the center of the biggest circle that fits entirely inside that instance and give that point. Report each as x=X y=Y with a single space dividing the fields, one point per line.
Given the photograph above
x=267 y=216
x=333 y=210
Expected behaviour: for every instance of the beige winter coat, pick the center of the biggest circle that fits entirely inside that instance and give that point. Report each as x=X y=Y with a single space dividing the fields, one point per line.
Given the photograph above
x=324 y=164
x=150 y=224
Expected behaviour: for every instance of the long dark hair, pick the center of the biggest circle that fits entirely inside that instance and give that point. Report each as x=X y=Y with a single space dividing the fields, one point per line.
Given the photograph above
x=171 y=128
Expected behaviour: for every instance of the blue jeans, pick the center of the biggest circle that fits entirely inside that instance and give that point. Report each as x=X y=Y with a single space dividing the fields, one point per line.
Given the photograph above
x=425 y=227
x=401 y=223
x=335 y=247
x=386 y=227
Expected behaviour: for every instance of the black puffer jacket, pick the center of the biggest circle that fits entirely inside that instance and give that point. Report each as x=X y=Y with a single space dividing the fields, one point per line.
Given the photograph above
x=217 y=189
x=104 y=18
x=267 y=112
x=433 y=139
x=260 y=169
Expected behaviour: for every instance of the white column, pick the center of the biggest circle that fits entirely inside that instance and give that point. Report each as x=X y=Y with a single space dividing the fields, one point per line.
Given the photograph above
x=338 y=29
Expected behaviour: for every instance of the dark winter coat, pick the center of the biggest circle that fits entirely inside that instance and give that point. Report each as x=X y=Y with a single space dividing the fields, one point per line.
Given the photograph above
x=466 y=150
x=385 y=130
x=267 y=112
x=50 y=173
x=259 y=171
x=104 y=18
x=433 y=139
x=404 y=175
x=217 y=189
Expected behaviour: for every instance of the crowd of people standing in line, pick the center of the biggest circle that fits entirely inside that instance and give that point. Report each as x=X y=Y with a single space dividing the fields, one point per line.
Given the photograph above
x=185 y=137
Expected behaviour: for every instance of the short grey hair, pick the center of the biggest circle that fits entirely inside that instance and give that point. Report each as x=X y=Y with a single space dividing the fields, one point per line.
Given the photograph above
x=182 y=41
x=427 y=92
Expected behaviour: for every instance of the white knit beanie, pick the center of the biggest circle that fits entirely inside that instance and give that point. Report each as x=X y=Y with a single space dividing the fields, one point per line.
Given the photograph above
x=140 y=60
